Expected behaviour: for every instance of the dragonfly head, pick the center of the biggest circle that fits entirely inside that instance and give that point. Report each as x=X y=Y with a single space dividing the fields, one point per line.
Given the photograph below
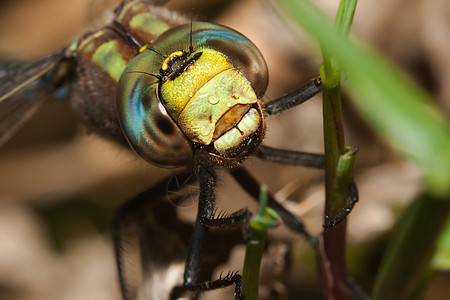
x=206 y=80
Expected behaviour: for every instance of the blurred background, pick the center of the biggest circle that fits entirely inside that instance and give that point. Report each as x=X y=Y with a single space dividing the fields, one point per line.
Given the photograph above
x=59 y=185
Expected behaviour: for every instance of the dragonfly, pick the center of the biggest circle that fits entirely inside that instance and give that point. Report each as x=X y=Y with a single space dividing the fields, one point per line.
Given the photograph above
x=179 y=94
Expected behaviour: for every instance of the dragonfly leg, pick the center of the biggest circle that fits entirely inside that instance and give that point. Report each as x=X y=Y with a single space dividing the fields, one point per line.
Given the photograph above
x=205 y=220
x=294 y=98
x=222 y=282
x=251 y=186
x=292 y=158
x=352 y=199
x=312 y=160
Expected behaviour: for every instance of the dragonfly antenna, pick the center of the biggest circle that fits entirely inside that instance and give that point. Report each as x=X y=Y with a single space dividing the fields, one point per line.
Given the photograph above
x=146 y=73
x=191 y=48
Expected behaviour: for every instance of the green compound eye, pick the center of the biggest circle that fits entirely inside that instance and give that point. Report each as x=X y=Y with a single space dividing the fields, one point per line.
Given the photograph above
x=176 y=97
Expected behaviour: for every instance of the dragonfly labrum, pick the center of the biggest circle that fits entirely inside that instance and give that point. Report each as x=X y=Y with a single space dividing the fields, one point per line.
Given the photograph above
x=179 y=94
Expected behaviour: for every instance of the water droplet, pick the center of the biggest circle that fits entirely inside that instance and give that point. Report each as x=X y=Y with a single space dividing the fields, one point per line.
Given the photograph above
x=213 y=100
x=205 y=130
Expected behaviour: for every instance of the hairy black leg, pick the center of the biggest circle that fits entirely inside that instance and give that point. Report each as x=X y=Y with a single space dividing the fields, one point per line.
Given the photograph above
x=205 y=220
x=251 y=186
x=222 y=282
x=205 y=209
x=312 y=160
x=294 y=98
x=129 y=209
x=292 y=158
x=352 y=199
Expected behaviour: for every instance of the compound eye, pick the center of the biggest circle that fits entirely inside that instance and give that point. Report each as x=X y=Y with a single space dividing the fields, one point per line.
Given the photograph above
x=243 y=55
x=149 y=129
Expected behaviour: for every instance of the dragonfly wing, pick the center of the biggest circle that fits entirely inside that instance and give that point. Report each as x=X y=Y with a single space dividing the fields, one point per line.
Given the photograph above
x=14 y=77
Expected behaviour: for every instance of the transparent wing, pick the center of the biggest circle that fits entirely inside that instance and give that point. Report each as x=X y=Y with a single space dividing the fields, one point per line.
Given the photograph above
x=150 y=241
x=14 y=77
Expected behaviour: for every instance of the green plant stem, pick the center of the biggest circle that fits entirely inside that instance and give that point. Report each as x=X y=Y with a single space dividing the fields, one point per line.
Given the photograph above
x=252 y=263
x=344 y=17
x=331 y=253
x=265 y=219
x=334 y=138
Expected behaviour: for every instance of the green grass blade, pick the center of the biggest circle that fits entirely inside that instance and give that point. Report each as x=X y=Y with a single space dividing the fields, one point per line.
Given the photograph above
x=405 y=267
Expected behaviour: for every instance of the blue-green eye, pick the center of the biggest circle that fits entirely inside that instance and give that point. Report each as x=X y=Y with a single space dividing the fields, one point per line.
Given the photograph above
x=197 y=87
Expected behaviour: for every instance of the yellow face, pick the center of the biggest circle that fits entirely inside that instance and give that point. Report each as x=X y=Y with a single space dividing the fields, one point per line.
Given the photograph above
x=211 y=101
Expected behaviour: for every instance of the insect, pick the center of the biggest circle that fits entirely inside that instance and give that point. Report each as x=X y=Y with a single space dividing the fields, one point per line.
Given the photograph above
x=178 y=95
